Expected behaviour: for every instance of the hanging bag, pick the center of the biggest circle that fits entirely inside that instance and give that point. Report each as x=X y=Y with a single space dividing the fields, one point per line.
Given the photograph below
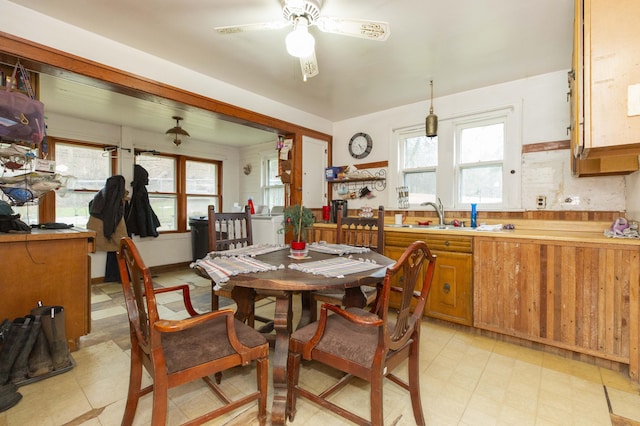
x=21 y=116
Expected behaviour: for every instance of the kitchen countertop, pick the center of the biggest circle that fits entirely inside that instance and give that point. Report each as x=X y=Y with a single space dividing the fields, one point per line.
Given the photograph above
x=578 y=231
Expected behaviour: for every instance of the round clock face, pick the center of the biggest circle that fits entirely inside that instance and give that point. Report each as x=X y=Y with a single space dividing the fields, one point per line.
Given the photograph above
x=360 y=145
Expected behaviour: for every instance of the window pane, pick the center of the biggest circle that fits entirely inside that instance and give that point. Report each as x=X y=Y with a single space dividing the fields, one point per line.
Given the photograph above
x=481 y=185
x=420 y=151
x=272 y=172
x=162 y=172
x=165 y=207
x=198 y=206
x=272 y=188
x=73 y=207
x=482 y=143
x=89 y=166
x=274 y=197
x=201 y=177
x=422 y=186
x=28 y=213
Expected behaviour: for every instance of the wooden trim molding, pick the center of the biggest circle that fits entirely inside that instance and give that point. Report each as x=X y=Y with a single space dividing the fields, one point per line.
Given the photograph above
x=545 y=146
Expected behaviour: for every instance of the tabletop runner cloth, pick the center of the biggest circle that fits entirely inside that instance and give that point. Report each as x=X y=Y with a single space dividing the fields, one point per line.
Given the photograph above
x=221 y=268
x=252 y=250
x=339 y=249
x=337 y=267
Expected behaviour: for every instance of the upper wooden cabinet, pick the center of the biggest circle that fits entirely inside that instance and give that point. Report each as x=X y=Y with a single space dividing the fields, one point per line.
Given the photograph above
x=605 y=87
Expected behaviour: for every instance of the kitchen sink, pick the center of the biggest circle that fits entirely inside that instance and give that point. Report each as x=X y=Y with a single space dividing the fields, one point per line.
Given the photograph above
x=416 y=226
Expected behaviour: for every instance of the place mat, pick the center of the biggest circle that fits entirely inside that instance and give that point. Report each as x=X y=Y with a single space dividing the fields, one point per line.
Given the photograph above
x=220 y=269
x=252 y=250
x=337 y=267
x=339 y=249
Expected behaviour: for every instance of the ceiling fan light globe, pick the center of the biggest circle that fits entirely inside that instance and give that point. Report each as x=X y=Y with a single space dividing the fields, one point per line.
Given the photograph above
x=300 y=43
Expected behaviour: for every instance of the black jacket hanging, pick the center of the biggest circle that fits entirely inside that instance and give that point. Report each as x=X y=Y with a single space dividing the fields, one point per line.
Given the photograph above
x=141 y=220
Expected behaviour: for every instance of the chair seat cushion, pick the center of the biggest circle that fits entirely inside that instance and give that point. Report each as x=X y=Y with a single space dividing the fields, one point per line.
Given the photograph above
x=205 y=342
x=343 y=338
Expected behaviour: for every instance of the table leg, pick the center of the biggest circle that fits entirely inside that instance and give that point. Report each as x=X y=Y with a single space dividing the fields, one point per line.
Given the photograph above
x=282 y=324
x=243 y=297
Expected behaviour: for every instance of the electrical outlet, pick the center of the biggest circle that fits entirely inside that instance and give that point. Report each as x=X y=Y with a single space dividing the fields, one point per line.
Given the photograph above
x=541 y=202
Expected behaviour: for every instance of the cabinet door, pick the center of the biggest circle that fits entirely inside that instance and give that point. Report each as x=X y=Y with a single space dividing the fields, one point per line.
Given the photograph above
x=586 y=123
x=611 y=71
x=450 y=297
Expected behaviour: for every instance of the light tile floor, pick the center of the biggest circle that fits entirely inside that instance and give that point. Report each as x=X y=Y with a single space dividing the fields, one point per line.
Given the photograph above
x=466 y=380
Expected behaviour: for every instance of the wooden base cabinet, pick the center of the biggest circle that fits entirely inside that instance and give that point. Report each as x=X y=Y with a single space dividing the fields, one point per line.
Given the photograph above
x=51 y=266
x=577 y=296
x=450 y=297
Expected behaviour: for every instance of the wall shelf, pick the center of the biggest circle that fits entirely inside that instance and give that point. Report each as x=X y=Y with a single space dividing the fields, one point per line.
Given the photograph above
x=378 y=181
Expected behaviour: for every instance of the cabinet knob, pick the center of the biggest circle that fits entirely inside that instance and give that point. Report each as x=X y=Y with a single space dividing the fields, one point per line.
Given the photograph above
x=446 y=288
x=446 y=243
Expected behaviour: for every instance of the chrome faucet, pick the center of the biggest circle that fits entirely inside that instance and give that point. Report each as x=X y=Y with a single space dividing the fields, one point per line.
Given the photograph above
x=438 y=207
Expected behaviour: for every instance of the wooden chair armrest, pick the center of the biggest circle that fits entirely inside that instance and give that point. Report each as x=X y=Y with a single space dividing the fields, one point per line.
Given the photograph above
x=186 y=296
x=172 y=326
x=371 y=319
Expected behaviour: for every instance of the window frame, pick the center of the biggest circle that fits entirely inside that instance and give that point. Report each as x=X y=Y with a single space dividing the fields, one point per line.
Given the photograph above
x=180 y=193
x=448 y=170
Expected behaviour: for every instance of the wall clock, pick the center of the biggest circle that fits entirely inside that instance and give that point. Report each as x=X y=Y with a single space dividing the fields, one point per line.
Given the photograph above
x=360 y=145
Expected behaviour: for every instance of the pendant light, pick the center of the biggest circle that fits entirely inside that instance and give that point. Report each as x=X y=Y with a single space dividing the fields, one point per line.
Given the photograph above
x=431 y=122
x=177 y=131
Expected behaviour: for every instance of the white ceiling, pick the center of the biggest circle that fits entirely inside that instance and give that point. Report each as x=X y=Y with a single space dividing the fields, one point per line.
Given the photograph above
x=460 y=44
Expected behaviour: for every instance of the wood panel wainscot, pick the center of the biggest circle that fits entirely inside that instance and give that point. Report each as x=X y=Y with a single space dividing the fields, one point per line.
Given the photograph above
x=52 y=266
x=573 y=295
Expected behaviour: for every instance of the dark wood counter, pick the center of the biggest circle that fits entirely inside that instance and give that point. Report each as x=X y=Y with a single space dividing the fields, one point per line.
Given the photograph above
x=52 y=266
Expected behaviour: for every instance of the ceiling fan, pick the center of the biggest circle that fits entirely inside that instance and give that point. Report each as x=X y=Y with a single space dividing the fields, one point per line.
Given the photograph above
x=302 y=14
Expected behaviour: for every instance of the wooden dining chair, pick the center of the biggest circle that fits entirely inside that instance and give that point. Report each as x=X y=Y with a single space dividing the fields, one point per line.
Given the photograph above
x=368 y=344
x=360 y=232
x=176 y=352
x=228 y=231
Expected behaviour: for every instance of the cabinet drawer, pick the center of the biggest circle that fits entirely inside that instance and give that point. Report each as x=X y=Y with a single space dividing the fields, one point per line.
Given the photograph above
x=436 y=242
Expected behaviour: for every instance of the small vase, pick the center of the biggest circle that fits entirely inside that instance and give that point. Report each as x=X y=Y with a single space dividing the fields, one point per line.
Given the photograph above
x=298 y=245
x=299 y=249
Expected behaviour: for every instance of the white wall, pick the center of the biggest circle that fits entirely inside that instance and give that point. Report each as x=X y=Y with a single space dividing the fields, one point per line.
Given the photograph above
x=545 y=118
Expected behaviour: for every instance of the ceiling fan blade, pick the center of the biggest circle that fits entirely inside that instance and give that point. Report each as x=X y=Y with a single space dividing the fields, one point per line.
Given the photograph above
x=372 y=30
x=274 y=25
x=309 y=66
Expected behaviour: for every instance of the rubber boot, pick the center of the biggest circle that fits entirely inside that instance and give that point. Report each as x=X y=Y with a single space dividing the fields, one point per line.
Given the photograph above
x=4 y=329
x=13 y=343
x=53 y=327
x=40 y=359
x=9 y=396
x=20 y=366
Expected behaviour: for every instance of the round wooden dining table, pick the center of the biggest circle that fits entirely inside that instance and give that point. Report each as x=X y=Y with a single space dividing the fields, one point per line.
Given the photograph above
x=282 y=284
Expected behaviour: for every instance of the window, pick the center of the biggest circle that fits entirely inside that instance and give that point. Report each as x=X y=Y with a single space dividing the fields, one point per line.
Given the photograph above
x=88 y=168
x=272 y=187
x=419 y=155
x=474 y=159
x=480 y=156
x=200 y=178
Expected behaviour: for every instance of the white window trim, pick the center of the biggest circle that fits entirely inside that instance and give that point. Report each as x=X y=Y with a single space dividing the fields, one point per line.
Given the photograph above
x=447 y=176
